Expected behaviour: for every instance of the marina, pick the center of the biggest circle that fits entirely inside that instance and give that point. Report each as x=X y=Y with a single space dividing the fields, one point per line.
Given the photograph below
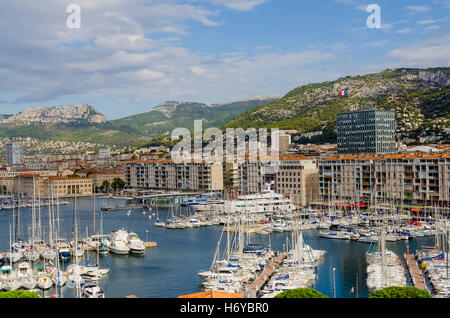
x=181 y=254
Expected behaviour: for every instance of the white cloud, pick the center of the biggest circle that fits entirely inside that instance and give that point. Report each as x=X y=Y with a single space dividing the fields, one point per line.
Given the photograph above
x=431 y=52
x=377 y=43
x=132 y=50
x=404 y=31
x=240 y=5
x=418 y=8
x=432 y=28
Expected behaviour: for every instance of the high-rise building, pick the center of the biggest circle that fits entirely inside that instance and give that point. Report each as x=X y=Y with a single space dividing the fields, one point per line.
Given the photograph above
x=366 y=131
x=14 y=153
x=104 y=153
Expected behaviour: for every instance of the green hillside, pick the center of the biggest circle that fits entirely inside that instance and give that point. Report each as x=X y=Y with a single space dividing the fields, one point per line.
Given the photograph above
x=132 y=131
x=156 y=122
x=419 y=97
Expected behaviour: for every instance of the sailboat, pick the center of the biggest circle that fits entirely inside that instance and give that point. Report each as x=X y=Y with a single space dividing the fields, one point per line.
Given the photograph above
x=74 y=272
x=158 y=223
x=384 y=268
x=10 y=282
x=103 y=246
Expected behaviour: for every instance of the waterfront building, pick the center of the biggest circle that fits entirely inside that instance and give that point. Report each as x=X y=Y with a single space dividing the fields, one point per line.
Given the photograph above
x=14 y=153
x=250 y=177
x=100 y=176
x=407 y=178
x=167 y=175
x=294 y=177
x=297 y=179
x=366 y=131
x=61 y=186
x=68 y=186
x=7 y=172
x=6 y=185
x=30 y=183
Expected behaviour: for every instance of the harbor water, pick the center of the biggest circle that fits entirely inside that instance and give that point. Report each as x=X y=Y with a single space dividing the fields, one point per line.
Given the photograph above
x=170 y=269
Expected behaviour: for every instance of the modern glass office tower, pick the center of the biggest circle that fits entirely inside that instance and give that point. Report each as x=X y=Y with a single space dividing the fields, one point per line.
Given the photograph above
x=366 y=131
x=14 y=153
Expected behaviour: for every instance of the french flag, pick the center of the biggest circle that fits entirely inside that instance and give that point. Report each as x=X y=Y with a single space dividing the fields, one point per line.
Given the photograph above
x=344 y=92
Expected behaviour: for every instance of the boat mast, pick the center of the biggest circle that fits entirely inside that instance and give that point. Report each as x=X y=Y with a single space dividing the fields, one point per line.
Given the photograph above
x=18 y=212
x=50 y=238
x=93 y=231
x=33 y=213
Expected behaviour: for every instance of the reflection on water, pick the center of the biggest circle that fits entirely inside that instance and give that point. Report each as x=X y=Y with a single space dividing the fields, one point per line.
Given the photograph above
x=171 y=269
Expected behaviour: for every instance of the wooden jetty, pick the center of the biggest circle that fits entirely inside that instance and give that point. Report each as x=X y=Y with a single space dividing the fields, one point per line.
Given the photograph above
x=265 y=276
x=415 y=272
x=150 y=244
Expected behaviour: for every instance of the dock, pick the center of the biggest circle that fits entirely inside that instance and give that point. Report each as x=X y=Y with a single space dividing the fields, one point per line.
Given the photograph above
x=415 y=272
x=265 y=275
x=123 y=207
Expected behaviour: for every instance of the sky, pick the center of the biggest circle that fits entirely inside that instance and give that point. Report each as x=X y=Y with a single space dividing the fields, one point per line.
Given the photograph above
x=128 y=56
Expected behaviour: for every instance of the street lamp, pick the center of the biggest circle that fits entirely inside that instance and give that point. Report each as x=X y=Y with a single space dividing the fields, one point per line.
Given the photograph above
x=334 y=282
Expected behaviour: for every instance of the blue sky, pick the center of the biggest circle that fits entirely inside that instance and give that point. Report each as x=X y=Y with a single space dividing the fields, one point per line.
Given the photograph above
x=131 y=55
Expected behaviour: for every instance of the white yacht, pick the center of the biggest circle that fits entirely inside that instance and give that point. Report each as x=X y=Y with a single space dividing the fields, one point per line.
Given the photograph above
x=135 y=244
x=266 y=202
x=119 y=240
x=92 y=291
x=340 y=235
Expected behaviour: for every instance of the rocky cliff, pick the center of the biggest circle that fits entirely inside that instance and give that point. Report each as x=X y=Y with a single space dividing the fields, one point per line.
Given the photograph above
x=58 y=115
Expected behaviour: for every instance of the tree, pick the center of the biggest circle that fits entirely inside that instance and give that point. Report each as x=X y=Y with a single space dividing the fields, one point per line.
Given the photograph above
x=400 y=292
x=105 y=186
x=19 y=294
x=301 y=293
x=118 y=184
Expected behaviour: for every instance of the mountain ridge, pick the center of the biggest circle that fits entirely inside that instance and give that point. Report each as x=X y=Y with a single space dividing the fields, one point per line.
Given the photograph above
x=313 y=107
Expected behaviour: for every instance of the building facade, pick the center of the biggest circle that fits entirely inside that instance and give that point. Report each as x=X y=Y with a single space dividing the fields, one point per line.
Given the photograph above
x=367 y=131
x=294 y=177
x=297 y=179
x=167 y=175
x=411 y=179
x=69 y=186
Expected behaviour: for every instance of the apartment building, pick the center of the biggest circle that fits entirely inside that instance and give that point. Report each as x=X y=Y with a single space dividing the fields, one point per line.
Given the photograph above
x=250 y=177
x=297 y=179
x=407 y=178
x=167 y=175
